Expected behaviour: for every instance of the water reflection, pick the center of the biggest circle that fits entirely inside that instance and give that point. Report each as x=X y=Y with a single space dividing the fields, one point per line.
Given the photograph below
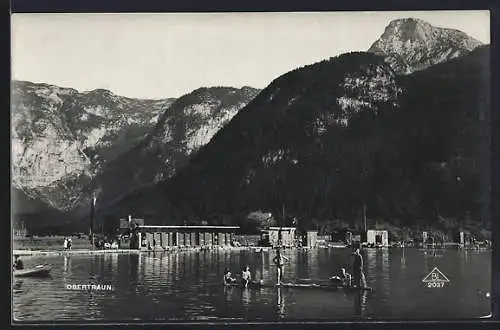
x=403 y=259
x=245 y=296
x=188 y=285
x=134 y=268
x=67 y=265
x=260 y=272
x=280 y=303
x=228 y=293
x=464 y=260
x=360 y=302
x=369 y=256
x=174 y=271
x=385 y=260
x=94 y=268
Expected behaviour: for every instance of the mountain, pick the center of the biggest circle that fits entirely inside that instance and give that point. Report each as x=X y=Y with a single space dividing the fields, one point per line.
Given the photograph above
x=34 y=214
x=412 y=44
x=190 y=123
x=67 y=145
x=278 y=129
x=61 y=138
x=324 y=140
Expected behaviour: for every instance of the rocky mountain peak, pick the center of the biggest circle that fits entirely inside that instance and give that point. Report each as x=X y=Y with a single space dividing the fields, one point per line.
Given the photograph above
x=189 y=123
x=409 y=29
x=61 y=138
x=411 y=44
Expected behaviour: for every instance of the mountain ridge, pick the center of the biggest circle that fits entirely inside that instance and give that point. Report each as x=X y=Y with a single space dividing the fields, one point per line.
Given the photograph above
x=397 y=149
x=64 y=139
x=299 y=118
x=189 y=124
x=411 y=44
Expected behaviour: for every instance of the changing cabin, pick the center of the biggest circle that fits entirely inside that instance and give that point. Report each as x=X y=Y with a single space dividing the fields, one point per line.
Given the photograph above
x=287 y=236
x=162 y=237
x=377 y=237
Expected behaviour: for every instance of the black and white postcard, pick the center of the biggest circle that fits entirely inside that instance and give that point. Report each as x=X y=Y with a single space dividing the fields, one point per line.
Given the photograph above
x=251 y=166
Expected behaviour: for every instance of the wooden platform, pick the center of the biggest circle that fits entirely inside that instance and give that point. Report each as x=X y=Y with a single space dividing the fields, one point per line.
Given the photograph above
x=238 y=284
x=257 y=285
x=321 y=286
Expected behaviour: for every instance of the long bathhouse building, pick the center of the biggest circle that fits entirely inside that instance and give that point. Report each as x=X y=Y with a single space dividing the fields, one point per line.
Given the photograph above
x=162 y=237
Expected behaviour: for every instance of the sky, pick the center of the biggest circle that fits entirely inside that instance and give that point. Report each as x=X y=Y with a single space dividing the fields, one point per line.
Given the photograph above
x=160 y=55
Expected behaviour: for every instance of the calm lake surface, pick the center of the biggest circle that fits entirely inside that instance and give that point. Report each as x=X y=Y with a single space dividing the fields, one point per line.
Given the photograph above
x=187 y=286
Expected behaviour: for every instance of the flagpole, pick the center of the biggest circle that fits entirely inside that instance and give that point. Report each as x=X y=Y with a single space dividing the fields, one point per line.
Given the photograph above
x=92 y=210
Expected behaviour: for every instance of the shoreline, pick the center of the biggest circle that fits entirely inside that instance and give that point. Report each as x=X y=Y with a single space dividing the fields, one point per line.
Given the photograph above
x=196 y=249
x=133 y=251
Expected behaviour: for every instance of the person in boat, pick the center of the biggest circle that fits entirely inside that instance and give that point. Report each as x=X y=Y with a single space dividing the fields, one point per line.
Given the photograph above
x=18 y=264
x=246 y=276
x=228 y=279
x=358 y=275
x=279 y=261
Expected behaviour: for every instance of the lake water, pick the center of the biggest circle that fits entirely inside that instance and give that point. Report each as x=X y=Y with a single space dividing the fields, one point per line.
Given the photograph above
x=187 y=286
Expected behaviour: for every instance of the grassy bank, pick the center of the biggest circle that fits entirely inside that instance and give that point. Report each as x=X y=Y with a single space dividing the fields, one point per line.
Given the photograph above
x=51 y=243
x=70 y=252
x=27 y=252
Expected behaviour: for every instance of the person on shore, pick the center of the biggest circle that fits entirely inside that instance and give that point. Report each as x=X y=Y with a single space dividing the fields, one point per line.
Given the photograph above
x=358 y=275
x=69 y=243
x=279 y=261
x=18 y=264
x=246 y=276
x=228 y=279
x=65 y=244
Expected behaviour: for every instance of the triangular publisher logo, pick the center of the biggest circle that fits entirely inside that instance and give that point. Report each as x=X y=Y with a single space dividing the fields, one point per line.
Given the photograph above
x=435 y=276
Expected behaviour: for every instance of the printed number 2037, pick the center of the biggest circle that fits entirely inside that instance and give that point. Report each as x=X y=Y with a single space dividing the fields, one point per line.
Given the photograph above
x=435 y=284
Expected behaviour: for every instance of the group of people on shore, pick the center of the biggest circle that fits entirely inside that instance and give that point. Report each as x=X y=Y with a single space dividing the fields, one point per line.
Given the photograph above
x=345 y=279
x=67 y=243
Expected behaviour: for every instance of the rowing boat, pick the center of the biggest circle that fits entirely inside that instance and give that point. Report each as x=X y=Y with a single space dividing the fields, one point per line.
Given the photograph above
x=38 y=271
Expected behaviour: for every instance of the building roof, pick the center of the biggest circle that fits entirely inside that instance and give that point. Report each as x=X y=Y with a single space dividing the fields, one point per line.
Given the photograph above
x=190 y=227
x=257 y=215
x=282 y=228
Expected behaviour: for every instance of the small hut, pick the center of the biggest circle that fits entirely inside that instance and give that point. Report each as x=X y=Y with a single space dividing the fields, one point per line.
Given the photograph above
x=377 y=237
x=287 y=236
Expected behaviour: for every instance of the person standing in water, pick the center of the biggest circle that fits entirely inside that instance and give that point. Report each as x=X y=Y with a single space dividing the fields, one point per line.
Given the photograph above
x=227 y=278
x=246 y=276
x=279 y=261
x=359 y=276
x=345 y=278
